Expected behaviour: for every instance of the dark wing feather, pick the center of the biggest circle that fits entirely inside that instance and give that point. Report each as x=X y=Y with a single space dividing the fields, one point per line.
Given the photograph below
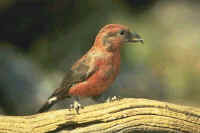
x=78 y=74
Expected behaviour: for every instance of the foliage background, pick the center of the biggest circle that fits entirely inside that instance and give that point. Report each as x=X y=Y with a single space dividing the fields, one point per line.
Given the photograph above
x=40 y=40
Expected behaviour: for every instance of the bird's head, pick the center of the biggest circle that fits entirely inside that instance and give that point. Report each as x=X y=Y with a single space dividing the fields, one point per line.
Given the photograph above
x=112 y=36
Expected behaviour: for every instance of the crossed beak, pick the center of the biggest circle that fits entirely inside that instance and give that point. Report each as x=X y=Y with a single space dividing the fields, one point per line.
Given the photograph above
x=134 y=37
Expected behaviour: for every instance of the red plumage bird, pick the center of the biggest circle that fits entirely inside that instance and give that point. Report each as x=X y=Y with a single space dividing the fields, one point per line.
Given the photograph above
x=91 y=75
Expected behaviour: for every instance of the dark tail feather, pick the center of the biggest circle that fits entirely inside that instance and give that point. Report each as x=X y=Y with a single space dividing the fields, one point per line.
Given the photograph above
x=47 y=106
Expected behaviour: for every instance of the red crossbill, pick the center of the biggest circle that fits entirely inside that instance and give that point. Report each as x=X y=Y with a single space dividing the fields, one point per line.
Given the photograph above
x=92 y=74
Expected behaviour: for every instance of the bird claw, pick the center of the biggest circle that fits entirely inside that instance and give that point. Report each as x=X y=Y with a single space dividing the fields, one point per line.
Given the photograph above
x=114 y=98
x=76 y=106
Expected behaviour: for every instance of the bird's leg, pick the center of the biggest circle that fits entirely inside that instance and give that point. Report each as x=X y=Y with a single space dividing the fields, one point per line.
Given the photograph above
x=114 y=98
x=76 y=105
x=102 y=98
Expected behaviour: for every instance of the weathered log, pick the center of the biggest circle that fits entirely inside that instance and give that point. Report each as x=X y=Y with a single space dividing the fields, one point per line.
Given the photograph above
x=125 y=115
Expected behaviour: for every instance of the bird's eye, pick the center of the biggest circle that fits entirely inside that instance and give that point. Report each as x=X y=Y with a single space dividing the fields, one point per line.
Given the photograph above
x=122 y=32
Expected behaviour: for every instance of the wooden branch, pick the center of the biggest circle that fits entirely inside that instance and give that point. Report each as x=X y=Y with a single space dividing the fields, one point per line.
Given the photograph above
x=126 y=115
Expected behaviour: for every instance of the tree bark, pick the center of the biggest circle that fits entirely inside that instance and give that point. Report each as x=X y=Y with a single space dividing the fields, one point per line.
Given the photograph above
x=125 y=115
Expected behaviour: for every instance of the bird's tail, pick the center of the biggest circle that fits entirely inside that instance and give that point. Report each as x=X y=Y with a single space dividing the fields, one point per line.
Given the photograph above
x=48 y=104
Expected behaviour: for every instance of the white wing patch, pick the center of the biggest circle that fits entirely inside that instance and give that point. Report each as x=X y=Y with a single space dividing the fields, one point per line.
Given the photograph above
x=52 y=100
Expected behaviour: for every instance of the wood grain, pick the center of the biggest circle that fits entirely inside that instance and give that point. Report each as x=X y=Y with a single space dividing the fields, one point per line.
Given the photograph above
x=125 y=115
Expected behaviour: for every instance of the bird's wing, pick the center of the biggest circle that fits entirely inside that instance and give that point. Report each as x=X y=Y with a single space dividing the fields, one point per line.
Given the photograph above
x=79 y=73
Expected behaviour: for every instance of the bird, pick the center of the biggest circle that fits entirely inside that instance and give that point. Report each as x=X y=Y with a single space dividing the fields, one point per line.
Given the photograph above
x=95 y=71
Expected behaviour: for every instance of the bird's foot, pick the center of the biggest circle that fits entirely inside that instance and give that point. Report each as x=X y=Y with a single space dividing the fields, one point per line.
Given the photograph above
x=76 y=106
x=114 y=98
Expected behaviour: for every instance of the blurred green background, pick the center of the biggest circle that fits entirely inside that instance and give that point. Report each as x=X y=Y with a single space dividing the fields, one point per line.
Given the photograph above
x=41 y=39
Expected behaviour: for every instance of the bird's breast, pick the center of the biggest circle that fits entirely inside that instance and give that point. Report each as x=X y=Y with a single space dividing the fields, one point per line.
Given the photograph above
x=97 y=83
x=108 y=69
